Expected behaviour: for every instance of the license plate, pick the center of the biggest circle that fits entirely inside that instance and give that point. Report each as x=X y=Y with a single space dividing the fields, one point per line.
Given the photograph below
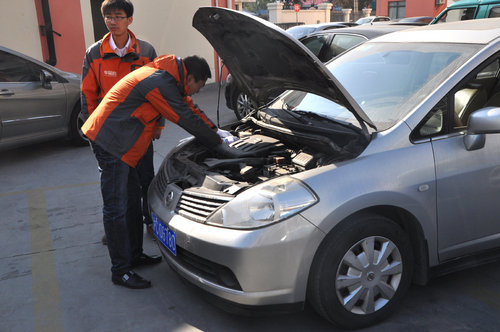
x=164 y=234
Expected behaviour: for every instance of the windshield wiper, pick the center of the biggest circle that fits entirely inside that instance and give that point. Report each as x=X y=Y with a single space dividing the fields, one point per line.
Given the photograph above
x=324 y=117
x=289 y=110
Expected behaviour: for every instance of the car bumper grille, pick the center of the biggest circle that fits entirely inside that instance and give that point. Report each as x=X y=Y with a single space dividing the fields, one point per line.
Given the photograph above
x=208 y=270
x=197 y=206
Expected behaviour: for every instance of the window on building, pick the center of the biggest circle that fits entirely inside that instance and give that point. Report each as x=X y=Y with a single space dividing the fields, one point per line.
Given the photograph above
x=397 y=9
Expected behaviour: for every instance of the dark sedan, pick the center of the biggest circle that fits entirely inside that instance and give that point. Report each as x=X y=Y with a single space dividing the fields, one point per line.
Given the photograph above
x=325 y=45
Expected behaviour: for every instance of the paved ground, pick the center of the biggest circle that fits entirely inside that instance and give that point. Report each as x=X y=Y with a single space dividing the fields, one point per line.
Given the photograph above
x=54 y=272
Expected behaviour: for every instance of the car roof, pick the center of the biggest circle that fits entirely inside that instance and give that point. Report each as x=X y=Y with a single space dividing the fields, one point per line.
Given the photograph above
x=472 y=31
x=462 y=3
x=369 y=31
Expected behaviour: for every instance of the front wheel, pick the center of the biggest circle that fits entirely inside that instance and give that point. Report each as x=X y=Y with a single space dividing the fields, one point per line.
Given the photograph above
x=75 y=124
x=361 y=271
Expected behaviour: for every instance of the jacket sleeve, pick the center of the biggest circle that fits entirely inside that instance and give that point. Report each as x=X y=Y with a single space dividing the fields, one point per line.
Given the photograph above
x=167 y=100
x=89 y=89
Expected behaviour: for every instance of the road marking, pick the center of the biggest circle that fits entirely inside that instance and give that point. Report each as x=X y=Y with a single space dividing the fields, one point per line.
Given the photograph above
x=27 y=191
x=46 y=297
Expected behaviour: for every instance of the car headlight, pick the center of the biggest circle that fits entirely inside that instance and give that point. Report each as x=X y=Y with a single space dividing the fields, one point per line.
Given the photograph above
x=264 y=204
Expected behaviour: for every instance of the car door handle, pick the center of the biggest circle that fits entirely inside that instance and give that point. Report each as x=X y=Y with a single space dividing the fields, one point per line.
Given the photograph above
x=6 y=92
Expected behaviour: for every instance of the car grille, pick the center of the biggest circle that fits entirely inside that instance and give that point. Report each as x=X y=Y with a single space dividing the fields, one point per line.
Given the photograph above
x=197 y=206
x=161 y=182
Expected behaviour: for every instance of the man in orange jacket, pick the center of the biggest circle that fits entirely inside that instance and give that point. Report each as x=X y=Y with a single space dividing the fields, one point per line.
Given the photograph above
x=121 y=129
x=105 y=63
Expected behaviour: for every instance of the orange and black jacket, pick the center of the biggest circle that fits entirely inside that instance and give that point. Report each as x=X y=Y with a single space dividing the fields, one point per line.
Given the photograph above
x=124 y=122
x=102 y=68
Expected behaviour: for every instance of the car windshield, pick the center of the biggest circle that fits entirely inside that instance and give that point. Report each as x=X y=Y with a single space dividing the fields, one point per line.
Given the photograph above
x=387 y=80
x=364 y=20
x=300 y=31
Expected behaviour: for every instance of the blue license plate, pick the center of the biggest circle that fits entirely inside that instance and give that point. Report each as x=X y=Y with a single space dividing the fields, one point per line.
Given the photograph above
x=164 y=234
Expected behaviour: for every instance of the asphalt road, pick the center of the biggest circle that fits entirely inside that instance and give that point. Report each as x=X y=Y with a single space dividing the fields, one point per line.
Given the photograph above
x=54 y=271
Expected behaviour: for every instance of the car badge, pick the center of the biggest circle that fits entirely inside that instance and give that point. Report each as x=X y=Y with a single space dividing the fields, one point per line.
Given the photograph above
x=170 y=196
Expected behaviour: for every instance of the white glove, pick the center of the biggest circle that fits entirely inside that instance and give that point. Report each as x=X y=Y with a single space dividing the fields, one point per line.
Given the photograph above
x=226 y=136
x=229 y=139
x=223 y=133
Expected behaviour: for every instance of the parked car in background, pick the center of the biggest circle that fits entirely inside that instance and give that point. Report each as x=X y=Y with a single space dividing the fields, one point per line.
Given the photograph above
x=373 y=171
x=417 y=20
x=325 y=45
x=38 y=102
x=300 y=31
x=373 y=19
x=469 y=10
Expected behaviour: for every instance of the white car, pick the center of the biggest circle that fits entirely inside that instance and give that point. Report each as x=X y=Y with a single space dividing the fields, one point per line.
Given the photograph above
x=373 y=19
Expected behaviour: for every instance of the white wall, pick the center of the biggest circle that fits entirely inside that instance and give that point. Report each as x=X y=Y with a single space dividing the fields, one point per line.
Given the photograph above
x=18 y=21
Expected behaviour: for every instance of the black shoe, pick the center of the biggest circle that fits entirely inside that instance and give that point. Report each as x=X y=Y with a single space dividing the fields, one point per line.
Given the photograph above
x=144 y=259
x=130 y=279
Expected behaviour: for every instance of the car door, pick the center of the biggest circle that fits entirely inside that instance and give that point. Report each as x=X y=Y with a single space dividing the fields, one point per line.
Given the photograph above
x=28 y=110
x=468 y=182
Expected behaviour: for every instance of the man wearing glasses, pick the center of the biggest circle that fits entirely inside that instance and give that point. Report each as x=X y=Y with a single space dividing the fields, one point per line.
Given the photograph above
x=105 y=63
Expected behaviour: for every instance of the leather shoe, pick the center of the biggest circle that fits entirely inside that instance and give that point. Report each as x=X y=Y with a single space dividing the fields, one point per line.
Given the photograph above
x=130 y=279
x=144 y=259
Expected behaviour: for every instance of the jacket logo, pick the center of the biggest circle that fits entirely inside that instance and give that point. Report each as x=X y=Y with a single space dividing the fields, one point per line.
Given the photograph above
x=110 y=73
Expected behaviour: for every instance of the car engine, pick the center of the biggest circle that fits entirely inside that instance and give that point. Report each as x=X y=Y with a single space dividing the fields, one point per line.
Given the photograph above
x=260 y=154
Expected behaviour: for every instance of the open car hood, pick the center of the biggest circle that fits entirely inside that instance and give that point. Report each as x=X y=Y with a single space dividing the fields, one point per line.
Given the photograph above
x=263 y=58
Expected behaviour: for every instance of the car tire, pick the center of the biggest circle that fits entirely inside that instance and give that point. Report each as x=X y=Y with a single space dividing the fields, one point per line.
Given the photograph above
x=75 y=124
x=243 y=105
x=361 y=271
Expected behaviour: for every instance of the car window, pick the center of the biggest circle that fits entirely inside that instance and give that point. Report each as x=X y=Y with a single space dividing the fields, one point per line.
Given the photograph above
x=340 y=43
x=494 y=12
x=479 y=91
x=482 y=89
x=460 y=14
x=315 y=43
x=16 y=69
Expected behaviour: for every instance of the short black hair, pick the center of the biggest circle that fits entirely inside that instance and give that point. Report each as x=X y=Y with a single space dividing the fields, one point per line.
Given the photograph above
x=198 y=67
x=111 y=5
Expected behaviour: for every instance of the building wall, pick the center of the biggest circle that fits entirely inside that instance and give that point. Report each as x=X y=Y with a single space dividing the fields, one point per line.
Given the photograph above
x=19 y=27
x=66 y=19
x=413 y=7
x=165 y=24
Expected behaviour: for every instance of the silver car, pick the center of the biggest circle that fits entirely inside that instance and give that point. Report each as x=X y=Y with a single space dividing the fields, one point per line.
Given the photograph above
x=376 y=170
x=37 y=102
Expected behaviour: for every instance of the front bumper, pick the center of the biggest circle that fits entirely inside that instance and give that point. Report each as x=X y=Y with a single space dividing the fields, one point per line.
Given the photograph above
x=260 y=267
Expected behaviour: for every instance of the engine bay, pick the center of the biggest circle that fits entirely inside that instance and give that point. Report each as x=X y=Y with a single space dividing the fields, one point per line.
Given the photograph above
x=260 y=154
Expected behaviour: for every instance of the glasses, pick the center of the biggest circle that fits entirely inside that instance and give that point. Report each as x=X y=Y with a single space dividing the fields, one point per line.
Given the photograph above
x=114 y=18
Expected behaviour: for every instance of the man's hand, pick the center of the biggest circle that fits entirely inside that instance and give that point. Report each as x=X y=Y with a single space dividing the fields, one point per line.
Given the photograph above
x=226 y=136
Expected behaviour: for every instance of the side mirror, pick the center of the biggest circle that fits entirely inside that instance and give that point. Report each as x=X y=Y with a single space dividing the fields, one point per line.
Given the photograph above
x=46 y=77
x=481 y=122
